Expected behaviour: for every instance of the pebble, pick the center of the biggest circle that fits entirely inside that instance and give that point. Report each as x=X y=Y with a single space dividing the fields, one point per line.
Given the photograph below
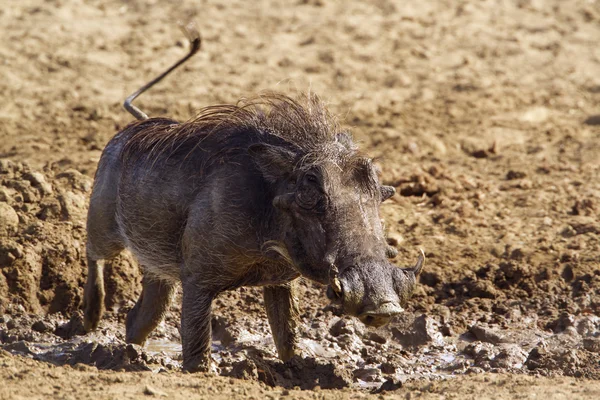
x=42 y=326
x=9 y=220
x=423 y=330
x=367 y=374
x=511 y=356
x=487 y=334
x=38 y=181
x=389 y=385
x=150 y=391
x=592 y=344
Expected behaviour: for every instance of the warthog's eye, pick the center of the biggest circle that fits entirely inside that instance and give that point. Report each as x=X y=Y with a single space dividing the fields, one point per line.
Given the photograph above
x=311 y=178
x=309 y=193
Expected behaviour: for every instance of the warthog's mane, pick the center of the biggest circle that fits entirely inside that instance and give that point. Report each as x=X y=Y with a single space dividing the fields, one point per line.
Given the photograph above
x=303 y=125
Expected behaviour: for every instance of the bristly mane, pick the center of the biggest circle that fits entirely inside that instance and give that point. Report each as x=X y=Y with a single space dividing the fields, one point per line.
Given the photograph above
x=304 y=125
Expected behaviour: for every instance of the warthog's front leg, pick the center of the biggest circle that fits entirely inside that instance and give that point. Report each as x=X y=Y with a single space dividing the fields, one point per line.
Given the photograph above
x=196 y=333
x=282 y=309
x=149 y=309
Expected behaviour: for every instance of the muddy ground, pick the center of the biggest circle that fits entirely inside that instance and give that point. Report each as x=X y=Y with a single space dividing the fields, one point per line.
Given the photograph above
x=485 y=115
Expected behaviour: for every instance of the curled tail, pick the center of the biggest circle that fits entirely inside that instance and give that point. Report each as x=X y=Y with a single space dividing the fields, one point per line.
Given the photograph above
x=195 y=41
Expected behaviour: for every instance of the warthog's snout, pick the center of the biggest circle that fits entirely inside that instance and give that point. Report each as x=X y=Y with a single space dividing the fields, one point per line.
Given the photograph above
x=374 y=292
x=381 y=315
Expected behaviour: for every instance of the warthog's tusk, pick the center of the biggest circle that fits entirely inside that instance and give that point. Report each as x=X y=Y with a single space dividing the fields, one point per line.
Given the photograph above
x=419 y=265
x=334 y=281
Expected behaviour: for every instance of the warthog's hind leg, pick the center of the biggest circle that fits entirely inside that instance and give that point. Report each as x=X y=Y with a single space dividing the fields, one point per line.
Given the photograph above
x=196 y=332
x=149 y=310
x=94 y=293
x=93 y=297
x=282 y=310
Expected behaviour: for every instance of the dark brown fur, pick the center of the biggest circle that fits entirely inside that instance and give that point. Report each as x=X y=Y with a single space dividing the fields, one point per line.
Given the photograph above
x=270 y=118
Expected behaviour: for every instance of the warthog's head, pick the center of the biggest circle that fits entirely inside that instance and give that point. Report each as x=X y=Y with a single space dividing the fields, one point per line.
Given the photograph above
x=374 y=292
x=326 y=202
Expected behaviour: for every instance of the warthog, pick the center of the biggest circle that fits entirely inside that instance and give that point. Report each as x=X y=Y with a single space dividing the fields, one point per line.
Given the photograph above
x=254 y=194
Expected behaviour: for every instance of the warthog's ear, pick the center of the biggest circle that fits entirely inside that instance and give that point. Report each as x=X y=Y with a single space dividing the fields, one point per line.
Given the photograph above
x=387 y=192
x=273 y=161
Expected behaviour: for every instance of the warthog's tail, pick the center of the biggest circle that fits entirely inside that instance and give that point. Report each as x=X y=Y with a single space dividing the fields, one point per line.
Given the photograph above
x=195 y=41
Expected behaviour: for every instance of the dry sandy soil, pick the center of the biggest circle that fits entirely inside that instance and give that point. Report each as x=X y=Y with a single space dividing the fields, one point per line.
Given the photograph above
x=485 y=116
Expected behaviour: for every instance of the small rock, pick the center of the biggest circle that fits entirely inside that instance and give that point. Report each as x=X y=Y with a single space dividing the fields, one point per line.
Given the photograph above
x=517 y=254
x=346 y=326
x=150 y=391
x=569 y=358
x=377 y=338
x=564 y=321
x=388 y=368
x=394 y=239
x=367 y=374
x=20 y=347
x=11 y=323
x=9 y=251
x=39 y=182
x=592 y=344
x=568 y=231
x=388 y=386
x=483 y=354
x=245 y=369
x=9 y=220
x=487 y=334
x=50 y=208
x=482 y=288
x=423 y=330
x=42 y=326
x=538 y=357
x=349 y=342
x=447 y=330
x=72 y=204
x=511 y=175
x=76 y=179
x=474 y=370
x=84 y=368
x=5 y=195
x=307 y=373
x=511 y=356
x=7 y=166
x=588 y=326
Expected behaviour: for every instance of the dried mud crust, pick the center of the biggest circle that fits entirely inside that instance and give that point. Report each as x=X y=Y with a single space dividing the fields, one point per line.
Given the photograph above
x=27 y=379
x=483 y=115
x=42 y=242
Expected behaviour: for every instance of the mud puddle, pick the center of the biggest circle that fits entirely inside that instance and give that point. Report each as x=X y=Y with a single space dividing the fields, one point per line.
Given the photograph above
x=344 y=354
